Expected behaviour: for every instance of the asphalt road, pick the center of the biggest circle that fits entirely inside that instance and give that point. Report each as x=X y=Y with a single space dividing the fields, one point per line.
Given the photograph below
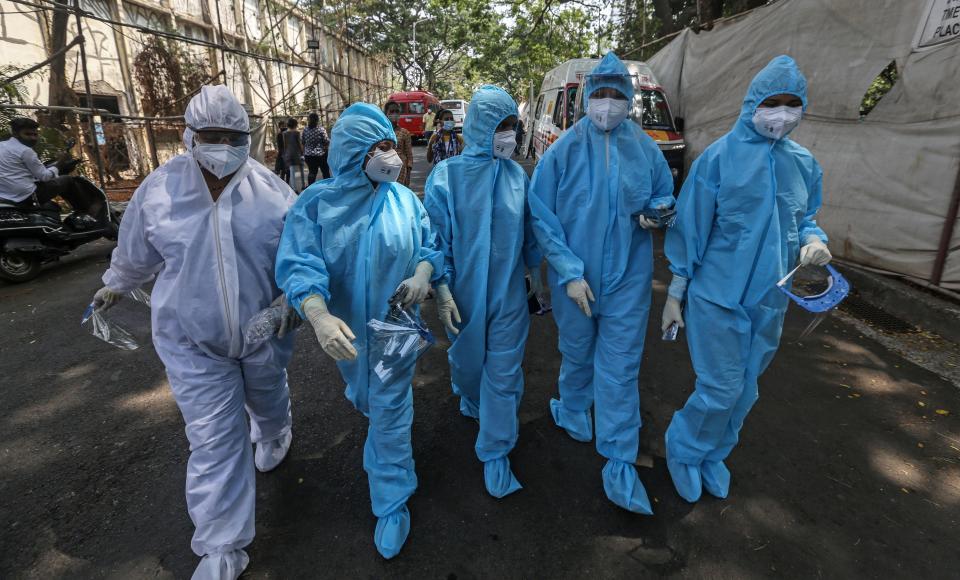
x=846 y=469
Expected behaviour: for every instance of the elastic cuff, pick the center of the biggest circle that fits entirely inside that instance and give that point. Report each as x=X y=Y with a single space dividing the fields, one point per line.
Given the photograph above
x=678 y=287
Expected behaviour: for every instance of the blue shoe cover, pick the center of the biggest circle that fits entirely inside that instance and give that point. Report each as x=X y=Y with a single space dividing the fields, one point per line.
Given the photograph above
x=499 y=479
x=469 y=409
x=623 y=487
x=716 y=478
x=686 y=479
x=392 y=532
x=577 y=424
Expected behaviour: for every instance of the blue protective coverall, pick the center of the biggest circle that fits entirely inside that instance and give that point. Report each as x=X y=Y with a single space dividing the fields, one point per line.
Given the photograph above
x=478 y=208
x=353 y=242
x=744 y=210
x=213 y=262
x=585 y=193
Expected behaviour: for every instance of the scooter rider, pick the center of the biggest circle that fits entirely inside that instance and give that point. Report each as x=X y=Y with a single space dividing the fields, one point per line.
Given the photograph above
x=23 y=178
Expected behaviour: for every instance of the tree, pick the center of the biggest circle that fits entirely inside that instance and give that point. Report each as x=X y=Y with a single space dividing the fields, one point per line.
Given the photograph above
x=60 y=93
x=15 y=93
x=664 y=17
x=543 y=34
x=446 y=29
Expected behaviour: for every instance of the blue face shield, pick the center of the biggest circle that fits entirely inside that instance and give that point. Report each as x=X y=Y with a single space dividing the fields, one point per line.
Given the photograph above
x=837 y=290
x=822 y=304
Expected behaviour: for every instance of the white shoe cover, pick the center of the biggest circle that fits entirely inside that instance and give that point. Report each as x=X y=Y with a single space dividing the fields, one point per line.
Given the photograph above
x=269 y=454
x=222 y=566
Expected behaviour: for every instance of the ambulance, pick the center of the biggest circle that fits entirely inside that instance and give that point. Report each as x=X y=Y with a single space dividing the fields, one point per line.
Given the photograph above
x=560 y=104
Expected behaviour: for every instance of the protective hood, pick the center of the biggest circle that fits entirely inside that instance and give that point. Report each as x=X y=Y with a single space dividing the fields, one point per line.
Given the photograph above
x=215 y=106
x=359 y=127
x=780 y=76
x=489 y=106
x=612 y=73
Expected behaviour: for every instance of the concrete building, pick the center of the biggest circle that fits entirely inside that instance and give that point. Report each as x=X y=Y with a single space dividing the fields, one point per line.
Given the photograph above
x=269 y=64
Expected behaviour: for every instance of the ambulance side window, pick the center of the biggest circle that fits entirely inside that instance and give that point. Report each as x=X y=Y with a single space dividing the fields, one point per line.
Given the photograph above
x=569 y=120
x=558 y=109
x=539 y=109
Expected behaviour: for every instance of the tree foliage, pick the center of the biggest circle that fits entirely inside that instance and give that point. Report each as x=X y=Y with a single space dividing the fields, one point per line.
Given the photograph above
x=513 y=43
x=461 y=43
x=663 y=17
x=167 y=74
x=15 y=93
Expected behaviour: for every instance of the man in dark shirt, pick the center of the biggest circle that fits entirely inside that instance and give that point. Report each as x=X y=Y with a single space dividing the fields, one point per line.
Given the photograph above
x=278 y=167
x=293 y=156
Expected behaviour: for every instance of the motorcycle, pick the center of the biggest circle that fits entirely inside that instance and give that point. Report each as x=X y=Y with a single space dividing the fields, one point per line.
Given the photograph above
x=33 y=235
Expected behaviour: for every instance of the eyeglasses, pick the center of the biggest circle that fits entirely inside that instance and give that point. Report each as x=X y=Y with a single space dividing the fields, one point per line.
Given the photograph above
x=232 y=138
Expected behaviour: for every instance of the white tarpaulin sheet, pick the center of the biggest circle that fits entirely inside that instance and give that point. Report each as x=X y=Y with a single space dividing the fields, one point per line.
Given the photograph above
x=889 y=177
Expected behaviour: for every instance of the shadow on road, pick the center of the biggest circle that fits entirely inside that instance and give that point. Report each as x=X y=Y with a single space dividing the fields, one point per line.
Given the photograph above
x=845 y=468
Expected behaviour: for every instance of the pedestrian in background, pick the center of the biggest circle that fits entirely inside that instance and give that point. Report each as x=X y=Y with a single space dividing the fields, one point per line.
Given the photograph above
x=404 y=142
x=445 y=143
x=429 y=121
x=293 y=156
x=315 y=143
x=278 y=166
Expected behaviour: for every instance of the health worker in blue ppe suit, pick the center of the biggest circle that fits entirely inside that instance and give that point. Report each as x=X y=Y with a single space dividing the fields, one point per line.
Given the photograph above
x=585 y=194
x=745 y=216
x=207 y=224
x=349 y=243
x=477 y=203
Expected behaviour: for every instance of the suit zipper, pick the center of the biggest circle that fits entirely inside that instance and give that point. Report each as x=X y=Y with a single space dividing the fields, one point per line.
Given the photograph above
x=223 y=278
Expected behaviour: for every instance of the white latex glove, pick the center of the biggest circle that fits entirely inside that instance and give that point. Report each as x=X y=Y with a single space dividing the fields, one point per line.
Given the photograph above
x=333 y=334
x=416 y=286
x=815 y=253
x=647 y=224
x=672 y=312
x=290 y=320
x=105 y=299
x=447 y=309
x=579 y=291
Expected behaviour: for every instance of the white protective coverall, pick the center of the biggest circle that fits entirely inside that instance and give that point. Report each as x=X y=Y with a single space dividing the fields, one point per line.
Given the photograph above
x=214 y=264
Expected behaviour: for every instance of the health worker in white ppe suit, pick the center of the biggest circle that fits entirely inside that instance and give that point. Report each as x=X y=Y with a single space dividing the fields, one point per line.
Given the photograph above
x=207 y=224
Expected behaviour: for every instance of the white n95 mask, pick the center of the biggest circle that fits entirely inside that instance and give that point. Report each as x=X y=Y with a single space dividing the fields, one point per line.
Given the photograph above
x=606 y=114
x=384 y=166
x=220 y=159
x=776 y=122
x=504 y=142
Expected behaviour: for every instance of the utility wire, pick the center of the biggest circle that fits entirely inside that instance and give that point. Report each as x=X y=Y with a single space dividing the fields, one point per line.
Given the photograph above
x=206 y=43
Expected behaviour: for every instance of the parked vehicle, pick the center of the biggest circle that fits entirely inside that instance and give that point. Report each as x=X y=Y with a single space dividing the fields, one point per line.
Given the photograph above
x=459 y=109
x=413 y=105
x=559 y=105
x=33 y=236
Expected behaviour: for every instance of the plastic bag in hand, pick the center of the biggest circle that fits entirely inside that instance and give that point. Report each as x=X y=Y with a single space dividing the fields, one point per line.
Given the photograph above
x=264 y=325
x=110 y=330
x=397 y=342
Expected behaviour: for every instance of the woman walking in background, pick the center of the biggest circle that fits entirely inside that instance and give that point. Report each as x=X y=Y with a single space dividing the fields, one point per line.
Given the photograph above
x=404 y=142
x=445 y=142
x=315 y=143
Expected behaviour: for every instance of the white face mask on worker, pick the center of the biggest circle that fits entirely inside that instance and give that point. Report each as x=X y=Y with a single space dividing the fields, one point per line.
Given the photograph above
x=606 y=114
x=504 y=142
x=384 y=166
x=219 y=159
x=776 y=122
